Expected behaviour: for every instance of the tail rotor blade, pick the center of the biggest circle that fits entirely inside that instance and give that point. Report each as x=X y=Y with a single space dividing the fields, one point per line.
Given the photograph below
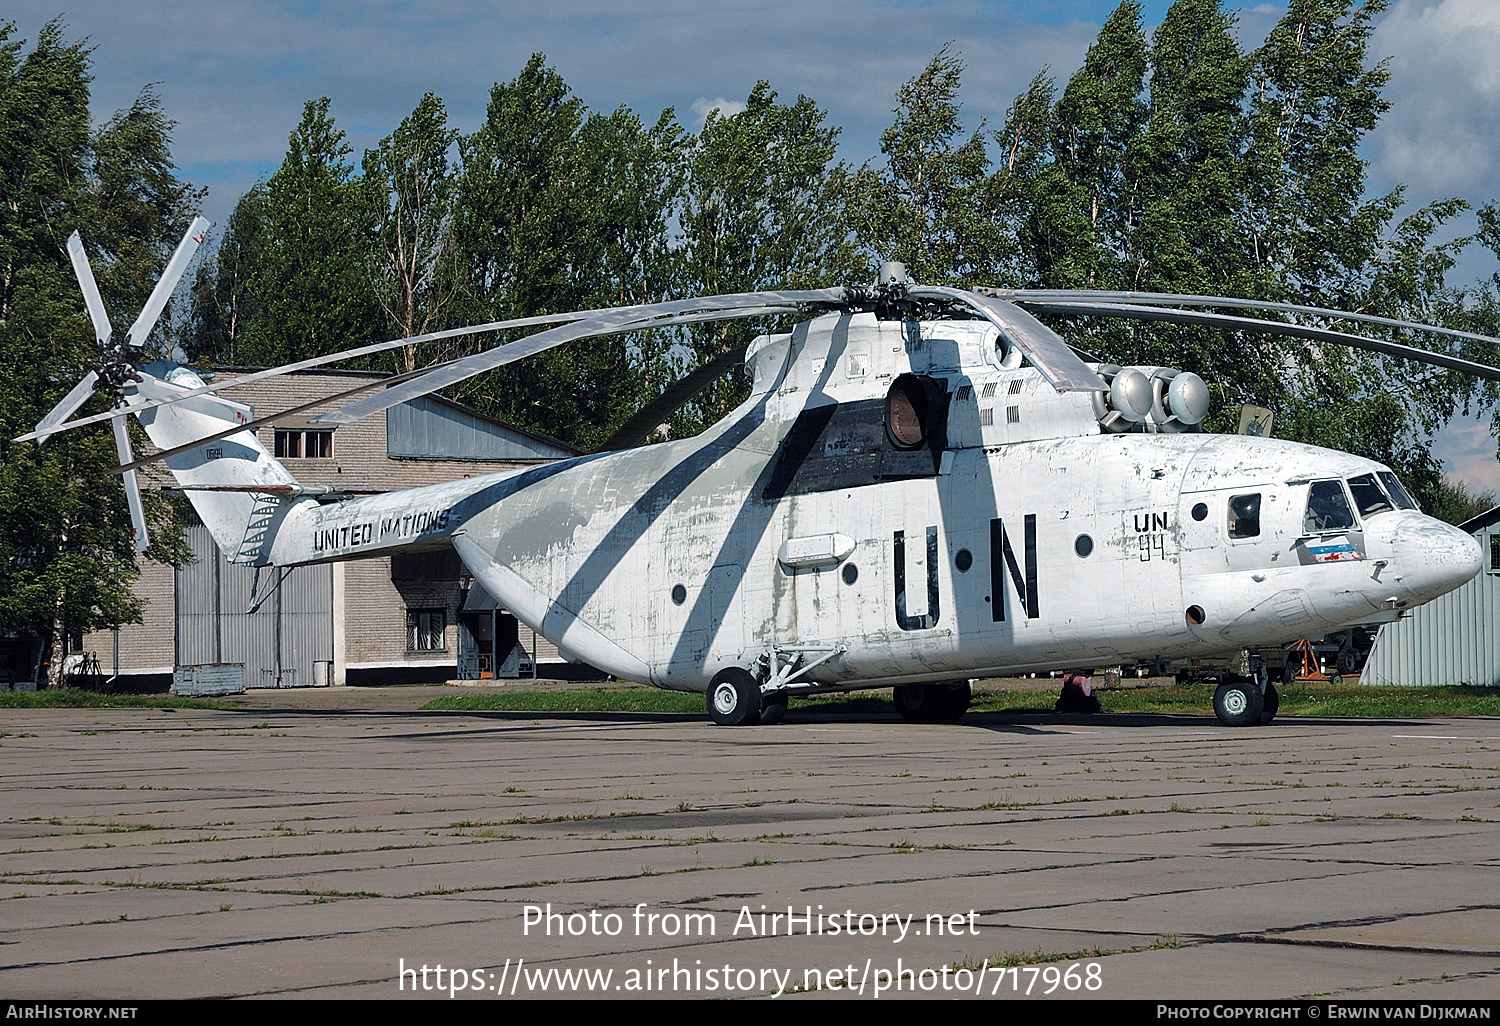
x=65 y=409
x=91 y=299
x=169 y=278
x=132 y=485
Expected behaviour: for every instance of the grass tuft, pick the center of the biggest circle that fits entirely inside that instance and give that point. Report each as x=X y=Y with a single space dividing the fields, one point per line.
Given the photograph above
x=72 y=698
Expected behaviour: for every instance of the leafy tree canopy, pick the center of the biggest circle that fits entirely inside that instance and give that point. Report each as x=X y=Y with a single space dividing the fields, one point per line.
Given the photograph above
x=67 y=560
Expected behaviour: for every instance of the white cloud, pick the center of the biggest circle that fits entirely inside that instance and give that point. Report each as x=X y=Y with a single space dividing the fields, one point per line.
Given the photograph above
x=1467 y=450
x=726 y=108
x=1439 y=137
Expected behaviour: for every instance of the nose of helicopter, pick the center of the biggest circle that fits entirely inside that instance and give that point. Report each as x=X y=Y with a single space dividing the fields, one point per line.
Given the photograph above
x=1436 y=557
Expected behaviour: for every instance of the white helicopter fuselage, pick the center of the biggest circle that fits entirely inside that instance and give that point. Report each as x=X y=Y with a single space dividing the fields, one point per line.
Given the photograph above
x=1018 y=537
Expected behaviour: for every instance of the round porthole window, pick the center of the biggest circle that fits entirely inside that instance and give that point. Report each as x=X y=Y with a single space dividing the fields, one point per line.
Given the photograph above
x=679 y=595
x=1195 y=615
x=851 y=573
x=1200 y=511
x=963 y=559
x=1083 y=545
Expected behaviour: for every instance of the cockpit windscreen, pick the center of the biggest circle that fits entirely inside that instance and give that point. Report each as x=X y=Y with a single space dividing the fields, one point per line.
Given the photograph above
x=1368 y=497
x=1395 y=491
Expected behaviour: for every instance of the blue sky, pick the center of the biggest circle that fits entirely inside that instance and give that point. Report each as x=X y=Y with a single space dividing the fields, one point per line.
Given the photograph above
x=235 y=73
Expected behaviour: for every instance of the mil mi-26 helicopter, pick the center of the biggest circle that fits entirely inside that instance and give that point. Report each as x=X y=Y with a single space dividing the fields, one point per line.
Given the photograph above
x=926 y=485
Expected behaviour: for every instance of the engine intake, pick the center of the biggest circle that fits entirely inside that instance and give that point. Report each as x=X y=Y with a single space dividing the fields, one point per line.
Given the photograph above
x=1151 y=399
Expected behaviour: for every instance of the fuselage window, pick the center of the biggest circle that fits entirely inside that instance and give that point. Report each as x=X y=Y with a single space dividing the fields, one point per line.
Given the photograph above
x=1396 y=492
x=1368 y=498
x=1327 y=508
x=1244 y=516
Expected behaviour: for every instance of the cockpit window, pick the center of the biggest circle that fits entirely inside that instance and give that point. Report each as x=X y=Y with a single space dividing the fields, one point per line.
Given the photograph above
x=1244 y=516
x=1368 y=498
x=1395 y=491
x=1327 y=508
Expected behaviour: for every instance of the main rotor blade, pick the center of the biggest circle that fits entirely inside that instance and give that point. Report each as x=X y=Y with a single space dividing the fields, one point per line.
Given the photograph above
x=132 y=486
x=1052 y=297
x=684 y=390
x=368 y=386
x=91 y=298
x=1048 y=353
x=1213 y=320
x=62 y=411
x=610 y=322
x=319 y=361
x=168 y=281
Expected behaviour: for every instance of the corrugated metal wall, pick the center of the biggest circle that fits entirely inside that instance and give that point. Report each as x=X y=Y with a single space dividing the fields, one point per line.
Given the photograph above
x=1454 y=639
x=287 y=642
x=428 y=428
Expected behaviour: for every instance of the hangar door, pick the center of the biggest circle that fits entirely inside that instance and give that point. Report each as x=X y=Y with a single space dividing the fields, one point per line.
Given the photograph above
x=286 y=643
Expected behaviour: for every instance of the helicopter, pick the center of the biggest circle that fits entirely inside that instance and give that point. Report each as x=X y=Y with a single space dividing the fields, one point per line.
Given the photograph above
x=926 y=485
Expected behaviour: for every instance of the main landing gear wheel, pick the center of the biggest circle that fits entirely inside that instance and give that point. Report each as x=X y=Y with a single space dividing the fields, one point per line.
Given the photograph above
x=1271 y=703
x=734 y=698
x=1238 y=704
x=923 y=702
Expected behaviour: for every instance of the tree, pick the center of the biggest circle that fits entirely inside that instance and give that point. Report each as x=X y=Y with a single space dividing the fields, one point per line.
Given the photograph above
x=310 y=281
x=224 y=305
x=930 y=206
x=1453 y=502
x=536 y=234
x=67 y=558
x=1187 y=165
x=519 y=215
x=760 y=210
x=1097 y=121
x=410 y=193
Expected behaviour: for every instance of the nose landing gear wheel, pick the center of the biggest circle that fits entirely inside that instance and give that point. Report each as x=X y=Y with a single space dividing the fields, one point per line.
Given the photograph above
x=734 y=698
x=1238 y=704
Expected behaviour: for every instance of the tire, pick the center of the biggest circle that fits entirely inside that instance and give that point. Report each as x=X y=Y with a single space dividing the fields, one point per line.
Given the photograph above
x=924 y=703
x=1290 y=670
x=1270 y=704
x=952 y=699
x=1238 y=704
x=913 y=702
x=772 y=709
x=733 y=698
x=1347 y=662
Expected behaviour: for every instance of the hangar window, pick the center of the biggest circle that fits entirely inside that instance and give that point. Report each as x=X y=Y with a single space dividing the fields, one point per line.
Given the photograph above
x=425 y=630
x=1244 y=516
x=1327 y=508
x=310 y=445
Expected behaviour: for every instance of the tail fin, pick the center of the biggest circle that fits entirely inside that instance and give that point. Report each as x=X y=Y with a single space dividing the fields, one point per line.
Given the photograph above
x=238 y=461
